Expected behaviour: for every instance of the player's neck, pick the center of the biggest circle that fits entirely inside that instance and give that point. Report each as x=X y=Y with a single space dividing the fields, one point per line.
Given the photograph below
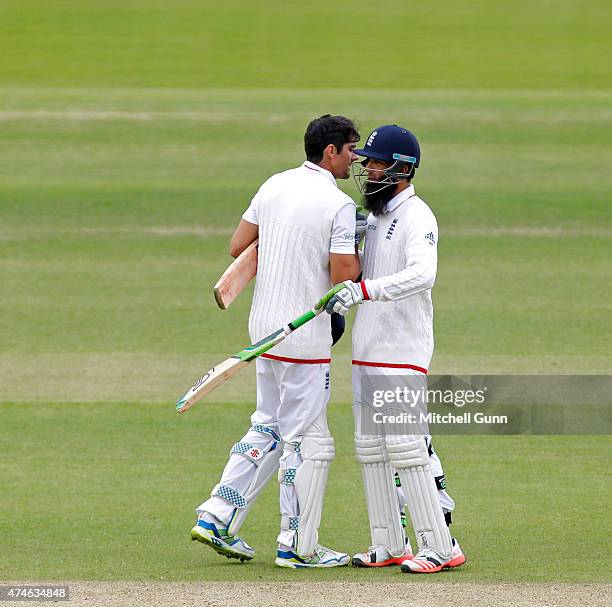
x=325 y=164
x=401 y=186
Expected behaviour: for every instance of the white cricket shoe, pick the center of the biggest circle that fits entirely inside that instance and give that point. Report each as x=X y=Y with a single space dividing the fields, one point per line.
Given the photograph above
x=429 y=561
x=379 y=556
x=217 y=538
x=320 y=558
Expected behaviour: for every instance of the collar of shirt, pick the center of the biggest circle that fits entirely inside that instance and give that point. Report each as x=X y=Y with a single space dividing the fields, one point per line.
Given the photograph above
x=312 y=167
x=399 y=198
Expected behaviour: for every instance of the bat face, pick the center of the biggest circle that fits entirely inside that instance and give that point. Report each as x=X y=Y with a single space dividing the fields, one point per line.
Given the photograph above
x=222 y=372
x=236 y=277
x=217 y=375
x=209 y=381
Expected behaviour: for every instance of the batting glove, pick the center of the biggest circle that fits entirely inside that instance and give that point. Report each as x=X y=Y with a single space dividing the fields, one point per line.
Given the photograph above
x=361 y=225
x=343 y=300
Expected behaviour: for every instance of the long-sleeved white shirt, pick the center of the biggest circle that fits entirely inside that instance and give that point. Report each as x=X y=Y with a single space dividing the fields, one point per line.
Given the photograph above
x=395 y=328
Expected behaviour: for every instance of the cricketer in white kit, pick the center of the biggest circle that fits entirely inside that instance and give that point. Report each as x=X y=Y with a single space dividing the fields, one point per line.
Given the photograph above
x=393 y=345
x=306 y=230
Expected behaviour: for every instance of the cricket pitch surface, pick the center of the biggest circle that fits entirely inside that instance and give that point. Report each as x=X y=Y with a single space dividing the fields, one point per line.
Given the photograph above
x=415 y=591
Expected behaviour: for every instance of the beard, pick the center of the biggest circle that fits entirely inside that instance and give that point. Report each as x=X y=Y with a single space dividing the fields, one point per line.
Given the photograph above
x=376 y=201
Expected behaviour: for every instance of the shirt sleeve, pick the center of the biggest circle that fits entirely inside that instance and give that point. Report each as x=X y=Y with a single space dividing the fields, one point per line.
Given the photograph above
x=343 y=231
x=421 y=263
x=250 y=214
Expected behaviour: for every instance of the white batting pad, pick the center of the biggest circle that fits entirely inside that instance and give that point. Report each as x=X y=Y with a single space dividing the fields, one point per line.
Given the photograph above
x=317 y=451
x=381 y=494
x=408 y=455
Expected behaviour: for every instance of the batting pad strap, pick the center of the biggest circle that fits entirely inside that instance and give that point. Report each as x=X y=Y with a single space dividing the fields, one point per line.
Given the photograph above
x=287 y=476
x=294 y=447
x=229 y=495
x=266 y=430
x=440 y=482
x=249 y=451
x=370 y=449
x=290 y=523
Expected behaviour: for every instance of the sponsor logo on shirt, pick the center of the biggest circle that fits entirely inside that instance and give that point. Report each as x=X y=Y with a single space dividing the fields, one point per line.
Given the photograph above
x=349 y=236
x=392 y=228
x=371 y=226
x=431 y=238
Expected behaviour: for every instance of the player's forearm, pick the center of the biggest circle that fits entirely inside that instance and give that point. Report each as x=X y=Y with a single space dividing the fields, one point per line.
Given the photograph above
x=417 y=277
x=243 y=236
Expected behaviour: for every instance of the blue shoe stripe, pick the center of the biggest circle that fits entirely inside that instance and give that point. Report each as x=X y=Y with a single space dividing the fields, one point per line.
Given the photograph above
x=283 y=554
x=210 y=526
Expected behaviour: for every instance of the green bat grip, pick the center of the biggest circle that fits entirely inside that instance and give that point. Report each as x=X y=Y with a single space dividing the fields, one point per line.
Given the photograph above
x=319 y=307
x=321 y=303
x=303 y=319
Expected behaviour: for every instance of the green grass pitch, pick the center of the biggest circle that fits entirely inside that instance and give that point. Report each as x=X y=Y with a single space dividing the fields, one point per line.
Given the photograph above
x=132 y=136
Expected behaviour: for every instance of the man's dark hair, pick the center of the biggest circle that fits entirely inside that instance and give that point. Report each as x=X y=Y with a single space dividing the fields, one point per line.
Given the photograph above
x=325 y=130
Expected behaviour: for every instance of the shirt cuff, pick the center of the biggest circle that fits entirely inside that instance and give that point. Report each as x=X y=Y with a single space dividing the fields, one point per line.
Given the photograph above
x=372 y=289
x=342 y=251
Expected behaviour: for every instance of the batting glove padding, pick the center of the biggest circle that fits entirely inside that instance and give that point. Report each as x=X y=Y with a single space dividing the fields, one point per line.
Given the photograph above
x=350 y=295
x=323 y=301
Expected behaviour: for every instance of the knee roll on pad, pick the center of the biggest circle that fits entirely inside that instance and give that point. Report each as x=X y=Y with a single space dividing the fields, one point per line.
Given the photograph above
x=370 y=449
x=317 y=448
x=407 y=451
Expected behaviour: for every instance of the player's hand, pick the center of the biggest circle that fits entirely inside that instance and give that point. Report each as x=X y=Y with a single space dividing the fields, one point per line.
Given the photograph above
x=361 y=225
x=343 y=300
x=323 y=301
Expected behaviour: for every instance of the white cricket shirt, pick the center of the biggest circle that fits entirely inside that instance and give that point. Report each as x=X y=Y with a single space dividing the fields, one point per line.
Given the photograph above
x=302 y=218
x=395 y=328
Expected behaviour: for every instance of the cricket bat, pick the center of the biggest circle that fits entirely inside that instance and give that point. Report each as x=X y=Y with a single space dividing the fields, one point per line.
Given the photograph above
x=237 y=276
x=228 y=368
